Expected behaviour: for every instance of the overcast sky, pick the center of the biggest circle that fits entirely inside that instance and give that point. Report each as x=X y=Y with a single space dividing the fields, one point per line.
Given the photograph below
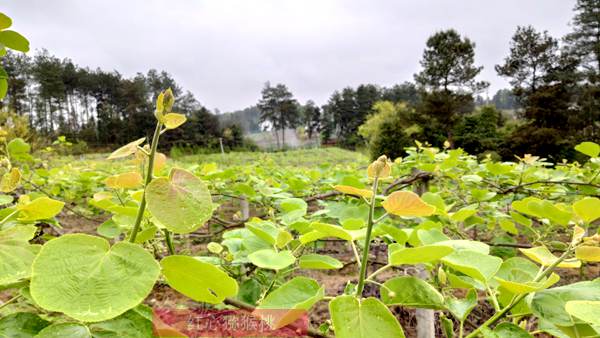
x=224 y=50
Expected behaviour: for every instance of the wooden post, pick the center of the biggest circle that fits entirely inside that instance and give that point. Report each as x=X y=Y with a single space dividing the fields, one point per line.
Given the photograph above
x=245 y=206
x=221 y=144
x=425 y=317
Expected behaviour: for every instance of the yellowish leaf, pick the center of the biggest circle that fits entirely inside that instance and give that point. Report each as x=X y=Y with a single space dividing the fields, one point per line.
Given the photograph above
x=543 y=256
x=126 y=150
x=528 y=287
x=406 y=203
x=124 y=181
x=40 y=208
x=346 y=189
x=160 y=160
x=173 y=120
x=578 y=233
x=10 y=180
x=588 y=253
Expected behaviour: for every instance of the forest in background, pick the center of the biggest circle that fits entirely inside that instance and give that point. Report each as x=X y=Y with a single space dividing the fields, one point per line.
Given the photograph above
x=552 y=105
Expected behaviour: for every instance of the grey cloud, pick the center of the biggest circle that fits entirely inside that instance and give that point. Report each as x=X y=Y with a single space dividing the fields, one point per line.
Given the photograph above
x=224 y=50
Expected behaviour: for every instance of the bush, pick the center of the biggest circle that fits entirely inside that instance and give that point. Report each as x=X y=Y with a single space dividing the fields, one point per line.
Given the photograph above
x=387 y=131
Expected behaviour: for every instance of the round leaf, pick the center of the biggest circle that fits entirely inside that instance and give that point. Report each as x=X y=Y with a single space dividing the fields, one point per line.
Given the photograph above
x=126 y=150
x=71 y=330
x=300 y=293
x=129 y=180
x=173 y=120
x=270 y=259
x=5 y=21
x=588 y=253
x=406 y=203
x=40 y=208
x=367 y=318
x=588 y=209
x=182 y=202
x=346 y=189
x=543 y=256
x=474 y=264
x=412 y=292
x=14 y=40
x=319 y=262
x=590 y=149
x=83 y=277
x=588 y=311
x=421 y=254
x=198 y=280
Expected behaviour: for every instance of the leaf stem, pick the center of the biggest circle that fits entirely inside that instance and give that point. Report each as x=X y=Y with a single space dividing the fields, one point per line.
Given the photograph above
x=365 y=260
x=12 y=300
x=169 y=241
x=149 y=170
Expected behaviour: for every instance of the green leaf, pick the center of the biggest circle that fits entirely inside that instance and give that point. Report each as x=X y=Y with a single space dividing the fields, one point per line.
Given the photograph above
x=300 y=293
x=109 y=229
x=509 y=330
x=588 y=311
x=397 y=234
x=474 y=264
x=588 y=209
x=543 y=256
x=5 y=199
x=271 y=259
x=462 y=214
x=3 y=85
x=590 y=149
x=173 y=120
x=71 y=330
x=319 y=262
x=5 y=21
x=421 y=254
x=40 y=208
x=411 y=292
x=182 y=203
x=135 y=323
x=269 y=232
x=331 y=230
x=83 y=277
x=19 y=150
x=16 y=254
x=550 y=304
x=21 y=325
x=203 y=282
x=126 y=150
x=14 y=40
x=461 y=308
x=366 y=318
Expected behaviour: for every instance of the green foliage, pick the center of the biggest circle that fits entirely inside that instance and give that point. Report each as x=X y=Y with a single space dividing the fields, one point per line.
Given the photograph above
x=81 y=276
x=386 y=129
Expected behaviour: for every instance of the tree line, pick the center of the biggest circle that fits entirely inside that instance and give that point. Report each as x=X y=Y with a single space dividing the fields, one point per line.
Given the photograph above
x=553 y=103
x=103 y=108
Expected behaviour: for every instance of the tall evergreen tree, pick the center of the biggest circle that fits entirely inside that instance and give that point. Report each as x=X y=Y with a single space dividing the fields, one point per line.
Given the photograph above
x=279 y=108
x=448 y=82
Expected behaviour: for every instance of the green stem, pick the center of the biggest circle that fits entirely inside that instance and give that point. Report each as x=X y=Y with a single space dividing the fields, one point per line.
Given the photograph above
x=380 y=270
x=498 y=315
x=169 y=241
x=149 y=170
x=365 y=258
x=493 y=298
